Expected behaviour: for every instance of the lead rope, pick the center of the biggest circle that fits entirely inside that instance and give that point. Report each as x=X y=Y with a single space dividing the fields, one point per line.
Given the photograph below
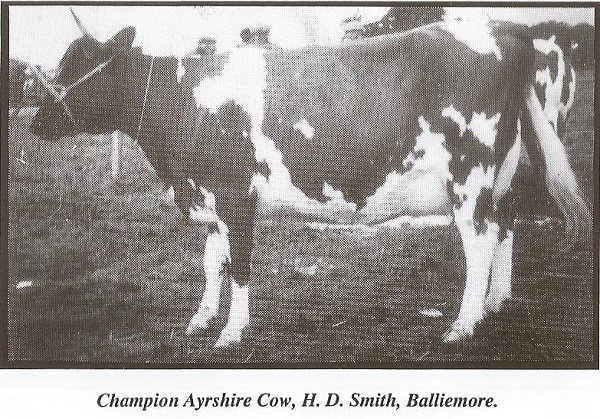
x=145 y=99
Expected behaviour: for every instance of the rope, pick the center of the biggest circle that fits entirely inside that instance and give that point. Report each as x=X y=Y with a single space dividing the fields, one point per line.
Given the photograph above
x=145 y=99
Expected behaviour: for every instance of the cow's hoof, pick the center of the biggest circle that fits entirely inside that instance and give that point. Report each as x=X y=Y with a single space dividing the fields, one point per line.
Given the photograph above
x=457 y=332
x=227 y=338
x=493 y=303
x=198 y=322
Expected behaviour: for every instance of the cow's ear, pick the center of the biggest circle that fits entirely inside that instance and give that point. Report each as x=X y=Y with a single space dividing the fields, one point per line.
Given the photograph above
x=122 y=41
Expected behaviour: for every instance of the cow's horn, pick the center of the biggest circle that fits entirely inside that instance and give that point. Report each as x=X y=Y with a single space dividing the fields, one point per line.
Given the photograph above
x=81 y=27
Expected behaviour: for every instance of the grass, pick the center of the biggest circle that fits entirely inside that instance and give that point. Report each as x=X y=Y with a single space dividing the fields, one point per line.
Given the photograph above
x=116 y=274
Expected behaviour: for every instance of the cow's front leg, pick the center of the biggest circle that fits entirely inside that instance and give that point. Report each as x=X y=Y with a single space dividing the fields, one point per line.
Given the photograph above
x=216 y=260
x=230 y=217
x=239 y=214
x=475 y=218
x=199 y=203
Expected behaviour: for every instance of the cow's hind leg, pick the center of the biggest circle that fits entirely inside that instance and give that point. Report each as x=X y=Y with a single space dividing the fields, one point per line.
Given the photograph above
x=501 y=275
x=503 y=197
x=476 y=221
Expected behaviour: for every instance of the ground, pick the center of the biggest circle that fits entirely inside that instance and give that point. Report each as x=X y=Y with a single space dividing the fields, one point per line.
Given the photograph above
x=116 y=273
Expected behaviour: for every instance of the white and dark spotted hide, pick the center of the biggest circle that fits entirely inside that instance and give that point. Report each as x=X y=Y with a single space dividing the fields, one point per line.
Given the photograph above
x=554 y=82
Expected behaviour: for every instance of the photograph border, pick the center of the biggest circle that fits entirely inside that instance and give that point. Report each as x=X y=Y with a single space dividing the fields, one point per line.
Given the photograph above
x=513 y=365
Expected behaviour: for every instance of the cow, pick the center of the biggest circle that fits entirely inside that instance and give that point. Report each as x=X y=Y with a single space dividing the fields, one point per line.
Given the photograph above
x=340 y=134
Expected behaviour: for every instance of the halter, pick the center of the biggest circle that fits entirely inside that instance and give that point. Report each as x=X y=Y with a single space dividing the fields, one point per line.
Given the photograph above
x=59 y=92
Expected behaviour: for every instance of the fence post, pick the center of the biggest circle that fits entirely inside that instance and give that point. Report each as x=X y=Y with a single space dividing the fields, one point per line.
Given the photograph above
x=116 y=148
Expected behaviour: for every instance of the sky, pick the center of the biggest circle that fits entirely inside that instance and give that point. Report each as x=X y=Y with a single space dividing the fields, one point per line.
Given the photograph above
x=41 y=34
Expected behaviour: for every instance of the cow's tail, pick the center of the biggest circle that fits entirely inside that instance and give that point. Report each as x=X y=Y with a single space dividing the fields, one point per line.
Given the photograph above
x=560 y=179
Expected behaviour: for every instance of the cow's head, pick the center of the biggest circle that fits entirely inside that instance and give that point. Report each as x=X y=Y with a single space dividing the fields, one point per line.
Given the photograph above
x=87 y=91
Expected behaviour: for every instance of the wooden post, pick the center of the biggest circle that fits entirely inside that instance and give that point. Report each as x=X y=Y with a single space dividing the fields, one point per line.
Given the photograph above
x=116 y=148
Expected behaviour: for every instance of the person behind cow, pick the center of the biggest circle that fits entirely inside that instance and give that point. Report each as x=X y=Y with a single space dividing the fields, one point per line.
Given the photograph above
x=353 y=29
x=206 y=46
x=353 y=34
x=24 y=89
x=16 y=83
x=256 y=37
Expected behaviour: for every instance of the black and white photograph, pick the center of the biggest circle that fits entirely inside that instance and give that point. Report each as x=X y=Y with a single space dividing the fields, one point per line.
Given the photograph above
x=299 y=186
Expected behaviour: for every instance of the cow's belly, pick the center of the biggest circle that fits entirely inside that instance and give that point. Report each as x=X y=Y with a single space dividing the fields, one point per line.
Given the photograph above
x=413 y=193
x=304 y=151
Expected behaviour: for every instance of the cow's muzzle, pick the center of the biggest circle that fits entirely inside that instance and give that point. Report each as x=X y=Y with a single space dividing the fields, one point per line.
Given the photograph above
x=59 y=92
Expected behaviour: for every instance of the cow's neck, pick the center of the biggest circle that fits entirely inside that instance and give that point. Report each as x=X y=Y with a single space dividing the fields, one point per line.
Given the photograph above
x=161 y=104
x=151 y=96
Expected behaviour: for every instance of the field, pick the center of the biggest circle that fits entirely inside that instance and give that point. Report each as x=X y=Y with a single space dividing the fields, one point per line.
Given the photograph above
x=108 y=271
